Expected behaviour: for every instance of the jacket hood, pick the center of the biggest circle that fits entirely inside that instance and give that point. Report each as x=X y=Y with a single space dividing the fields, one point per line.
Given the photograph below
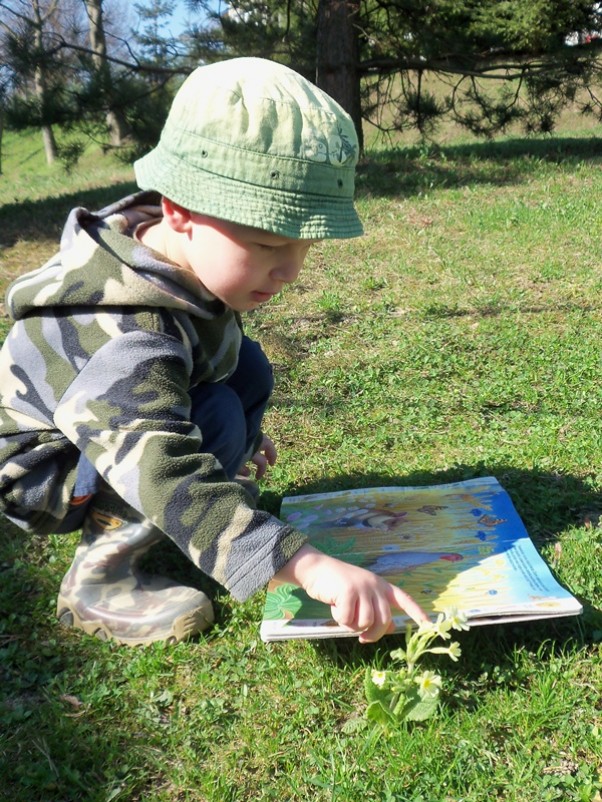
x=100 y=264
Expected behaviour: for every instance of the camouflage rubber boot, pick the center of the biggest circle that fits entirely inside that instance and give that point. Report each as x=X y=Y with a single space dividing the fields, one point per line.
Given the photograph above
x=105 y=594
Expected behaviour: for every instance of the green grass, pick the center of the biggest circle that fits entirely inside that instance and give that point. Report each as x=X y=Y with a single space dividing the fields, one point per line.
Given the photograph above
x=459 y=337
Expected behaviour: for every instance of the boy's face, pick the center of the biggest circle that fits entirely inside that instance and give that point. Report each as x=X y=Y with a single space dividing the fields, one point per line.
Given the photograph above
x=242 y=266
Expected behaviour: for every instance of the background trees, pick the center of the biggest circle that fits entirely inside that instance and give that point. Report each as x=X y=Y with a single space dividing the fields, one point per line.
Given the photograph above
x=34 y=87
x=111 y=67
x=86 y=66
x=501 y=62
x=496 y=61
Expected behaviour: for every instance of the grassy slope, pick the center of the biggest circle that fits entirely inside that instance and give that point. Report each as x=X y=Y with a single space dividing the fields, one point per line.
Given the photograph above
x=459 y=337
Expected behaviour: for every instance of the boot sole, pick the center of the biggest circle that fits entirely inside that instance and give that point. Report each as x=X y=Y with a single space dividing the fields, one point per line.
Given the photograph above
x=185 y=626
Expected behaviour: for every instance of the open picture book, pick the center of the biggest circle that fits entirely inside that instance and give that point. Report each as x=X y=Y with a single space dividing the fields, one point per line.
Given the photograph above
x=460 y=545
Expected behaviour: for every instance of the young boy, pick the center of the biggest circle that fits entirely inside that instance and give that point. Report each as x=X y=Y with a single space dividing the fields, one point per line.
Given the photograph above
x=131 y=400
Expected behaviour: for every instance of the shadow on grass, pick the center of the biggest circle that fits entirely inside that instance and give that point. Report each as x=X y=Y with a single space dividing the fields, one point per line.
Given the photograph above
x=74 y=724
x=44 y=219
x=548 y=504
x=54 y=749
x=396 y=172
x=403 y=172
x=441 y=311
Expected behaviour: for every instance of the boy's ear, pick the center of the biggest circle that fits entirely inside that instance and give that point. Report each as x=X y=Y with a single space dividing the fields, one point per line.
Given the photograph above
x=175 y=216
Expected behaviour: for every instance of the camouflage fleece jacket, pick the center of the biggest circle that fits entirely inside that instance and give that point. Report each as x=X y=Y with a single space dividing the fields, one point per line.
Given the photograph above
x=108 y=339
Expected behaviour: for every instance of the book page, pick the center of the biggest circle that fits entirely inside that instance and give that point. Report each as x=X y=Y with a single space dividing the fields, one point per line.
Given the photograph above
x=459 y=545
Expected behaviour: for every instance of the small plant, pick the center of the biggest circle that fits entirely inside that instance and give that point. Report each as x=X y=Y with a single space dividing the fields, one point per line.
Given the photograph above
x=407 y=694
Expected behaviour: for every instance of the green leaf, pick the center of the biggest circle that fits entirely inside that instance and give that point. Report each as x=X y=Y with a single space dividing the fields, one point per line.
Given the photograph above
x=354 y=725
x=412 y=707
x=378 y=713
x=374 y=693
x=422 y=709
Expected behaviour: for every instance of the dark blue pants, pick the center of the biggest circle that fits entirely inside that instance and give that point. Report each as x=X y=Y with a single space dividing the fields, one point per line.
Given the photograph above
x=228 y=414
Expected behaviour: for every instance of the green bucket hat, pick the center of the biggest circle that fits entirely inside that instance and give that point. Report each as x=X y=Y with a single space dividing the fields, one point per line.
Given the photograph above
x=251 y=141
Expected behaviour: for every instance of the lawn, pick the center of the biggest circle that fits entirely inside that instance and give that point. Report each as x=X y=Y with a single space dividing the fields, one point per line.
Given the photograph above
x=459 y=337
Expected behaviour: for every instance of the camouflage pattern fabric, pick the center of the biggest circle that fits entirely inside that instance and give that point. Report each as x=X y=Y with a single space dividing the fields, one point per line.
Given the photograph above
x=107 y=342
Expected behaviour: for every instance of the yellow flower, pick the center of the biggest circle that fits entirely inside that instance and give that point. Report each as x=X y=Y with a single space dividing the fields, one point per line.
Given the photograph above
x=454 y=651
x=458 y=620
x=429 y=684
x=379 y=677
x=442 y=626
x=428 y=628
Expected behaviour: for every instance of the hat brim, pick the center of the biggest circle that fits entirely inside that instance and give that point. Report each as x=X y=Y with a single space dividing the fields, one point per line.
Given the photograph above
x=299 y=215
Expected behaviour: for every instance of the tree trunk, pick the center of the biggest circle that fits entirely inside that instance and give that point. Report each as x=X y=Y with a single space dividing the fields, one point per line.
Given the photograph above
x=50 y=147
x=119 y=129
x=40 y=84
x=337 y=57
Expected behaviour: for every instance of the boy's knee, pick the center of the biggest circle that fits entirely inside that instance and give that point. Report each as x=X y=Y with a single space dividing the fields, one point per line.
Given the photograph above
x=219 y=414
x=253 y=375
x=262 y=370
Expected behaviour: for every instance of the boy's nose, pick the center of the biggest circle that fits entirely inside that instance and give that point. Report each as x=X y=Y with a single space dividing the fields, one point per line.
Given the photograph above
x=289 y=269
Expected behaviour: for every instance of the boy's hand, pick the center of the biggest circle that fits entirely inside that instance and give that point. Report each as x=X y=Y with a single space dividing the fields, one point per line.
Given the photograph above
x=360 y=600
x=265 y=455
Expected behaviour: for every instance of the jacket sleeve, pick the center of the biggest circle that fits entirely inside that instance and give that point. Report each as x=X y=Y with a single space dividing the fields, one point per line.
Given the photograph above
x=128 y=411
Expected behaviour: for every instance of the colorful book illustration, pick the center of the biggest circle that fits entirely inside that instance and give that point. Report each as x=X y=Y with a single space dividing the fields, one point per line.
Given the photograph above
x=459 y=545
